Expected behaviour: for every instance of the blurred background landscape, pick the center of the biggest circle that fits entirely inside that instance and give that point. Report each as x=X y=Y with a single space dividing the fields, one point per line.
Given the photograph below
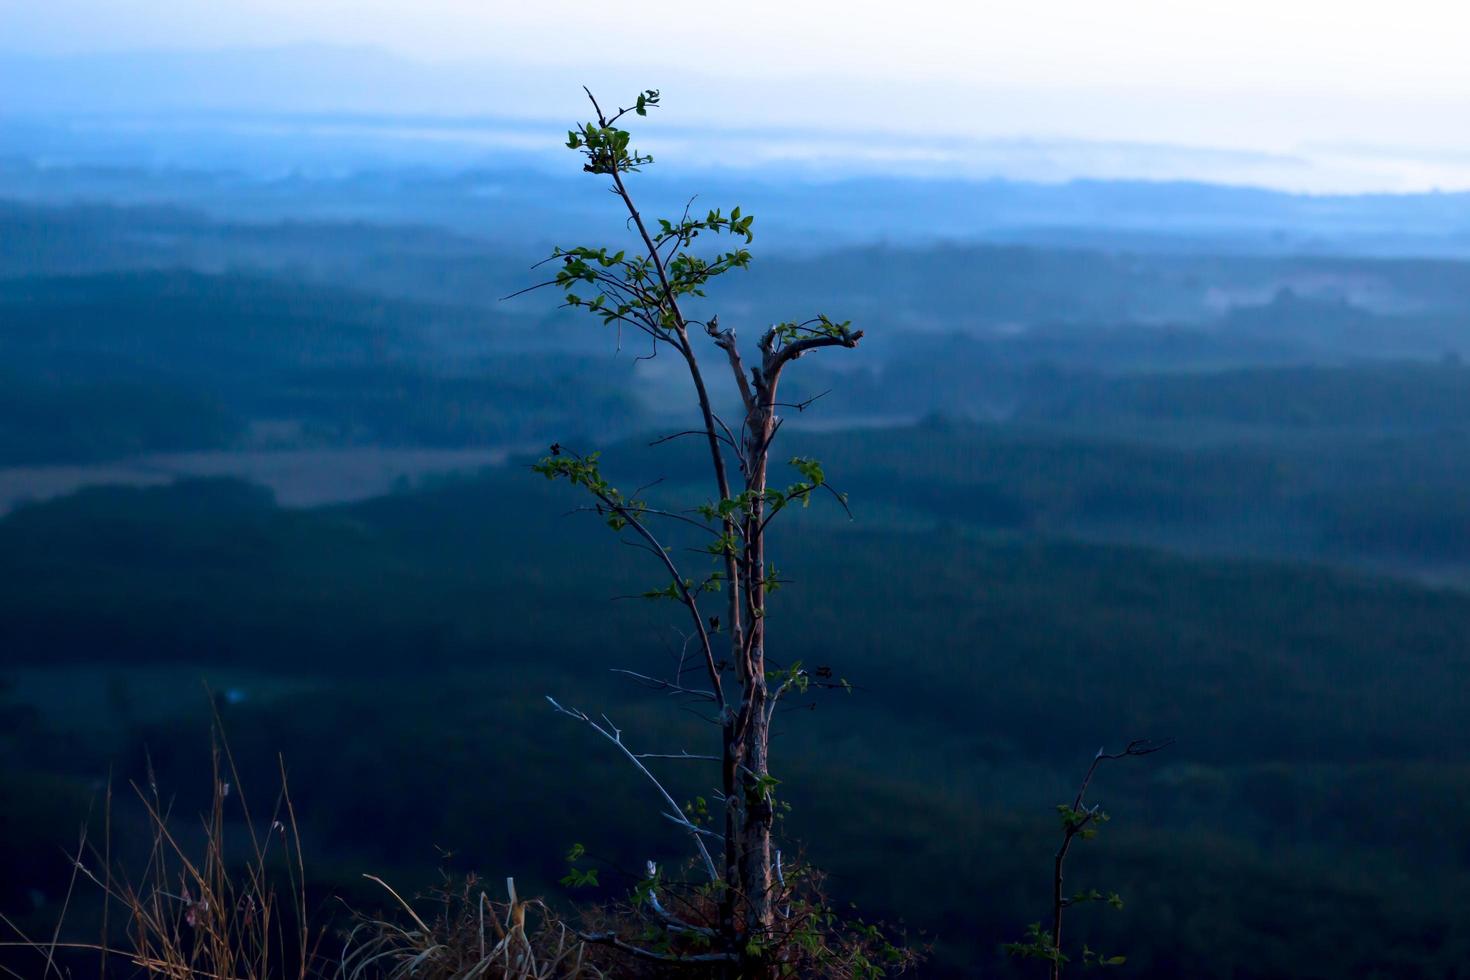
x=1166 y=440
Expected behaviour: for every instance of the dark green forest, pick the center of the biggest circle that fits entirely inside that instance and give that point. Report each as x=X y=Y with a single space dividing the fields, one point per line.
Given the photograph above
x=373 y=642
x=1096 y=495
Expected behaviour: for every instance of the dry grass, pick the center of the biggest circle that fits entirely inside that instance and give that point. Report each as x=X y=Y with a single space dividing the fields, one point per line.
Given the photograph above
x=469 y=937
x=196 y=910
x=227 y=901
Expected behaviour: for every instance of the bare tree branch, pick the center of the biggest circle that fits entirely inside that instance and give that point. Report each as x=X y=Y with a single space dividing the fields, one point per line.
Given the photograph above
x=792 y=351
x=615 y=736
x=725 y=340
x=663 y=685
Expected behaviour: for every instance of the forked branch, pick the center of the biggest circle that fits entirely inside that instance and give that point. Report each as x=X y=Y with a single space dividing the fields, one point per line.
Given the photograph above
x=614 y=735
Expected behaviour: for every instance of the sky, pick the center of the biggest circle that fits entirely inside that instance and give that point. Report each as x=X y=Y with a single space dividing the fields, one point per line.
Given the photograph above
x=1377 y=86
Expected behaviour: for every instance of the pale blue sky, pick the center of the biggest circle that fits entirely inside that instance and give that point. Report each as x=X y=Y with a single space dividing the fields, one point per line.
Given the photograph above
x=1386 y=83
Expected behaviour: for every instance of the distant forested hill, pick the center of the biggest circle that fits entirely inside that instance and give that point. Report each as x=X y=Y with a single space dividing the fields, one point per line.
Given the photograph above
x=945 y=284
x=206 y=355
x=43 y=422
x=362 y=333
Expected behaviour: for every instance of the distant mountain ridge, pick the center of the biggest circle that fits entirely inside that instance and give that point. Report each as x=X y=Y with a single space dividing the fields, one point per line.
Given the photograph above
x=296 y=169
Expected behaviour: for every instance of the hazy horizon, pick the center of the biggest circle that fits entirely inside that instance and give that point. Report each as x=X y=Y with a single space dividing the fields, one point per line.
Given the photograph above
x=1303 y=97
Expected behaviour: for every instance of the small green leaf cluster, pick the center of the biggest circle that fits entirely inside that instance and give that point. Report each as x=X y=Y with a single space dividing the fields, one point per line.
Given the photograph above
x=1090 y=957
x=646 y=99
x=670 y=591
x=606 y=147
x=743 y=503
x=688 y=273
x=856 y=948
x=678 y=590
x=724 y=545
x=812 y=478
x=1038 y=944
x=578 y=877
x=821 y=326
x=579 y=471
x=697 y=810
x=761 y=788
x=577 y=263
x=620 y=294
x=584 y=471
x=1081 y=821
x=1093 y=895
x=646 y=888
x=629 y=290
x=687 y=229
x=772 y=581
x=793 y=678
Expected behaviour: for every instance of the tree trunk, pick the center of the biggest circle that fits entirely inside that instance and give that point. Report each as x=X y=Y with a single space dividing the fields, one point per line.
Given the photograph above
x=756 y=870
x=731 y=761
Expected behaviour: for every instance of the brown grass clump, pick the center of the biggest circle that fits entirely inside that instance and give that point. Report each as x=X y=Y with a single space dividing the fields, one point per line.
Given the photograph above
x=227 y=901
x=224 y=919
x=469 y=937
x=203 y=907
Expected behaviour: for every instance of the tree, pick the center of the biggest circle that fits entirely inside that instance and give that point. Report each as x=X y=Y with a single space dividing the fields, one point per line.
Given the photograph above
x=645 y=290
x=1079 y=822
